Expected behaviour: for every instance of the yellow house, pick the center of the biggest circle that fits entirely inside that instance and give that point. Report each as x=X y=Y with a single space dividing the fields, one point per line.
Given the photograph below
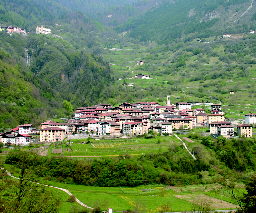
x=52 y=134
x=244 y=130
x=181 y=123
x=201 y=118
x=215 y=118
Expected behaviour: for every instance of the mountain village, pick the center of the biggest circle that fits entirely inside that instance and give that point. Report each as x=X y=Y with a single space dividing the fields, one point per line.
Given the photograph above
x=130 y=120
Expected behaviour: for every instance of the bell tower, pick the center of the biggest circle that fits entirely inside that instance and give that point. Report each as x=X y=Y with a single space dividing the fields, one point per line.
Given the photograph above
x=168 y=100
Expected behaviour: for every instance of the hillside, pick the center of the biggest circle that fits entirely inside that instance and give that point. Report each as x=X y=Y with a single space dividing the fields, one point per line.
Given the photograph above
x=116 y=15
x=191 y=18
x=20 y=100
x=195 y=71
x=62 y=66
x=181 y=44
x=91 y=8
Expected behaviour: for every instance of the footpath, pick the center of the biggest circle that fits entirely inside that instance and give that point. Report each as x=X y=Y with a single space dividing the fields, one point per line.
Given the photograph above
x=185 y=146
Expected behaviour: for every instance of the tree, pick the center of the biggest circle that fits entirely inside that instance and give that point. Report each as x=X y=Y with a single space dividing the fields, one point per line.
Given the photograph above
x=25 y=196
x=248 y=201
x=68 y=106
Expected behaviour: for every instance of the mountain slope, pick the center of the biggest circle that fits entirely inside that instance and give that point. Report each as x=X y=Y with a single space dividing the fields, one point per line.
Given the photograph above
x=62 y=66
x=20 y=100
x=202 y=18
x=91 y=7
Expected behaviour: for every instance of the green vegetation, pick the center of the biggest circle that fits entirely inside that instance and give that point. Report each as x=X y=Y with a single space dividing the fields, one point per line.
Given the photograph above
x=79 y=64
x=188 y=20
x=23 y=195
x=64 y=71
x=106 y=148
x=19 y=100
x=149 y=180
x=201 y=78
x=218 y=157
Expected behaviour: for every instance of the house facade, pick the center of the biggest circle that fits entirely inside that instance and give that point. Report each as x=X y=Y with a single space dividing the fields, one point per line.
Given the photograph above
x=166 y=128
x=52 y=134
x=215 y=118
x=244 y=130
x=25 y=129
x=183 y=105
x=181 y=123
x=226 y=131
x=215 y=125
x=250 y=118
x=16 y=139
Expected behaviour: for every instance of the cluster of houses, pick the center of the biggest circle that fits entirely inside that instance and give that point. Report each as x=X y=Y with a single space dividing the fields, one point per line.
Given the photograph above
x=10 y=30
x=20 y=135
x=43 y=30
x=132 y=120
x=141 y=76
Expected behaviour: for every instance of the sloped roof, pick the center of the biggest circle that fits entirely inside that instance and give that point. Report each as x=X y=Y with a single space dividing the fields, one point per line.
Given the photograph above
x=52 y=129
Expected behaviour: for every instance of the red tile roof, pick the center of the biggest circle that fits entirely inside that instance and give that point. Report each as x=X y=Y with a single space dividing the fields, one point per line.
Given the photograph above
x=25 y=135
x=25 y=125
x=16 y=129
x=245 y=125
x=53 y=129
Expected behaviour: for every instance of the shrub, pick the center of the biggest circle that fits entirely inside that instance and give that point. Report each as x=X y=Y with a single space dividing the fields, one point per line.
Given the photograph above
x=72 y=199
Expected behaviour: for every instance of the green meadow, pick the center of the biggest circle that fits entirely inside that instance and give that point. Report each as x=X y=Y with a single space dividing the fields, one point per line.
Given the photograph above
x=148 y=198
x=115 y=147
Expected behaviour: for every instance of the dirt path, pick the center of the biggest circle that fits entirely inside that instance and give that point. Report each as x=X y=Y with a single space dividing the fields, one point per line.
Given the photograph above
x=44 y=153
x=83 y=156
x=185 y=146
x=188 y=140
x=202 y=199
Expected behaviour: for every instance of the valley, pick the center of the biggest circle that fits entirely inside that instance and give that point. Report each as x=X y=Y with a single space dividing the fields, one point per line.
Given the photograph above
x=138 y=106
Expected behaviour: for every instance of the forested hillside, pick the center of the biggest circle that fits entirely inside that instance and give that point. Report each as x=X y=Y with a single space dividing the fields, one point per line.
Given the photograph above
x=63 y=66
x=20 y=100
x=182 y=18
x=116 y=15
x=92 y=8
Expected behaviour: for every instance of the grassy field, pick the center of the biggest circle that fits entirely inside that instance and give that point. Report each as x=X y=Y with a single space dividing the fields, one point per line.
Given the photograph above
x=116 y=147
x=153 y=198
x=149 y=198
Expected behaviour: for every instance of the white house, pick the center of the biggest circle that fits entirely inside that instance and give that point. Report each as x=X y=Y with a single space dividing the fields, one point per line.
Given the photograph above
x=183 y=105
x=93 y=126
x=104 y=128
x=16 y=139
x=23 y=139
x=167 y=127
x=25 y=129
x=226 y=131
x=43 y=30
x=250 y=118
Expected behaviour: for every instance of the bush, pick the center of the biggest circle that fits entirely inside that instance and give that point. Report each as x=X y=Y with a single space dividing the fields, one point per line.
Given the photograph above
x=72 y=199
